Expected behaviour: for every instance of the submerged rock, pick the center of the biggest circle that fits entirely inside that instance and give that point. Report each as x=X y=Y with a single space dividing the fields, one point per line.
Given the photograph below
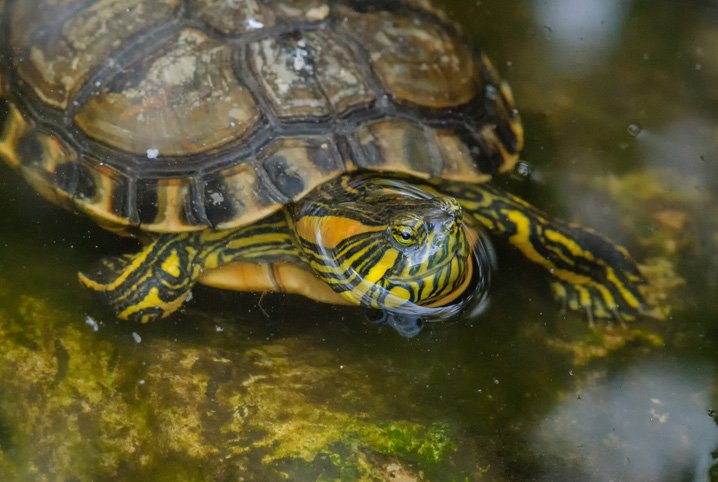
x=75 y=405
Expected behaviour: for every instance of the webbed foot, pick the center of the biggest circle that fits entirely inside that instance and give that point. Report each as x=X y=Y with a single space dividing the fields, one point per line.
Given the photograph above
x=594 y=300
x=149 y=285
x=600 y=278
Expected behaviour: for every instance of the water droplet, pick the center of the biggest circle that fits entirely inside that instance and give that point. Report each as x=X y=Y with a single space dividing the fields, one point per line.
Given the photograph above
x=253 y=24
x=523 y=169
x=634 y=130
x=89 y=321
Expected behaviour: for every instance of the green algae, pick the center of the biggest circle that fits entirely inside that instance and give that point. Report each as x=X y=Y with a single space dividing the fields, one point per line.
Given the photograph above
x=605 y=341
x=76 y=406
x=58 y=392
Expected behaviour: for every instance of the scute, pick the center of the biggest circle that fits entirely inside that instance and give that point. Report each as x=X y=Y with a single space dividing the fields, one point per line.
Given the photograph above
x=39 y=156
x=417 y=61
x=168 y=205
x=244 y=16
x=235 y=196
x=182 y=100
x=285 y=69
x=103 y=194
x=459 y=163
x=398 y=146
x=289 y=168
x=295 y=166
x=422 y=151
x=310 y=74
x=59 y=52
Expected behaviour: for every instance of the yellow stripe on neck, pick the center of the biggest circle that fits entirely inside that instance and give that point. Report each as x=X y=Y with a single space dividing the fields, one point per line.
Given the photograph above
x=329 y=231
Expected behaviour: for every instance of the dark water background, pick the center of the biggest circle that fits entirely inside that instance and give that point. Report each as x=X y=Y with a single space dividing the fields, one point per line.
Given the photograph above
x=620 y=105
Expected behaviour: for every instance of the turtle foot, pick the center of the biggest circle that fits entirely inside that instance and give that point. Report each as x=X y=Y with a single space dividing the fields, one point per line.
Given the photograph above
x=598 y=301
x=146 y=286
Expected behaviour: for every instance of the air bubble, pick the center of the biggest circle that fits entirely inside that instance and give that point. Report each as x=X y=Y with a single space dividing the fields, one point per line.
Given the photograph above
x=523 y=169
x=94 y=326
x=634 y=130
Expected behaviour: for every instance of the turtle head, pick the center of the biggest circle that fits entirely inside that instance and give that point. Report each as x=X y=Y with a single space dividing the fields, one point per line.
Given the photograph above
x=431 y=250
x=387 y=244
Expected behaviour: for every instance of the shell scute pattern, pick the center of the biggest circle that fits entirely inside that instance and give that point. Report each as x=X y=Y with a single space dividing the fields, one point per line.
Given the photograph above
x=418 y=61
x=176 y=116
x=240 y=17
x=309 y=74
x=59 y=56
x=182 y=100
x=294 y=166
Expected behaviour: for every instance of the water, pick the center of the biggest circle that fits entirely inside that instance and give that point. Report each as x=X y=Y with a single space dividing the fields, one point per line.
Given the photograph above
x=620 y=106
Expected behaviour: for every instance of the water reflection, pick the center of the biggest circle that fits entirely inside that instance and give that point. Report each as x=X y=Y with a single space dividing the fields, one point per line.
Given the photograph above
x=648 y=422
x=582 y=32
x=690 y=144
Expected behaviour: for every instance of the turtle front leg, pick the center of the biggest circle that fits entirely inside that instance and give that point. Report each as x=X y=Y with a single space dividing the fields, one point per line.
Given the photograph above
x=154 y=283
x=151 y=284
x=587 y=271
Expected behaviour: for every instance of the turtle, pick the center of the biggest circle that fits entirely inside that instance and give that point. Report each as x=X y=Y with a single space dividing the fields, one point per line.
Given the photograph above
x=340 y=149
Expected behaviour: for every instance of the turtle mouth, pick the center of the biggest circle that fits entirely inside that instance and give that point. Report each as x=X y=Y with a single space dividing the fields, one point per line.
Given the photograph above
x=473 y=269
x=439 y=285
x=432 y=272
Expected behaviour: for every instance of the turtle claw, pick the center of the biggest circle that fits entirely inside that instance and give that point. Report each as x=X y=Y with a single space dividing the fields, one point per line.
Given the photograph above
x=596 y=301
x=618 y=317
x=589 y=315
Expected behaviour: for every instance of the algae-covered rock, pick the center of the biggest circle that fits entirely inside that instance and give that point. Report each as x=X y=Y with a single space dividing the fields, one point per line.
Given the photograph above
x=78 y=404
x=58 y=392
x=669 y=220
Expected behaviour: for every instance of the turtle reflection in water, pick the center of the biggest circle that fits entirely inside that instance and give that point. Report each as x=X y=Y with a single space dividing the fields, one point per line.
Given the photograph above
x=338 y=149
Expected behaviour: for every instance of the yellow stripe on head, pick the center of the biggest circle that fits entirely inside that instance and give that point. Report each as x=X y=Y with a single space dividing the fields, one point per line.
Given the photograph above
x=329 y=231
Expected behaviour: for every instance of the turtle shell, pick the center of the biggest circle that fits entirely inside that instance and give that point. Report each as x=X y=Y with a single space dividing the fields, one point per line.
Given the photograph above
x=173 y=115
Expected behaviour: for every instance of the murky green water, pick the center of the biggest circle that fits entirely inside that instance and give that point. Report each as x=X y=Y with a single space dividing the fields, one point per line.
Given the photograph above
x=620 y=103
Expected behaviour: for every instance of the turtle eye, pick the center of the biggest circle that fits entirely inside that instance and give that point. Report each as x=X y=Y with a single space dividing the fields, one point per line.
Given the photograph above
x=404 y=235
